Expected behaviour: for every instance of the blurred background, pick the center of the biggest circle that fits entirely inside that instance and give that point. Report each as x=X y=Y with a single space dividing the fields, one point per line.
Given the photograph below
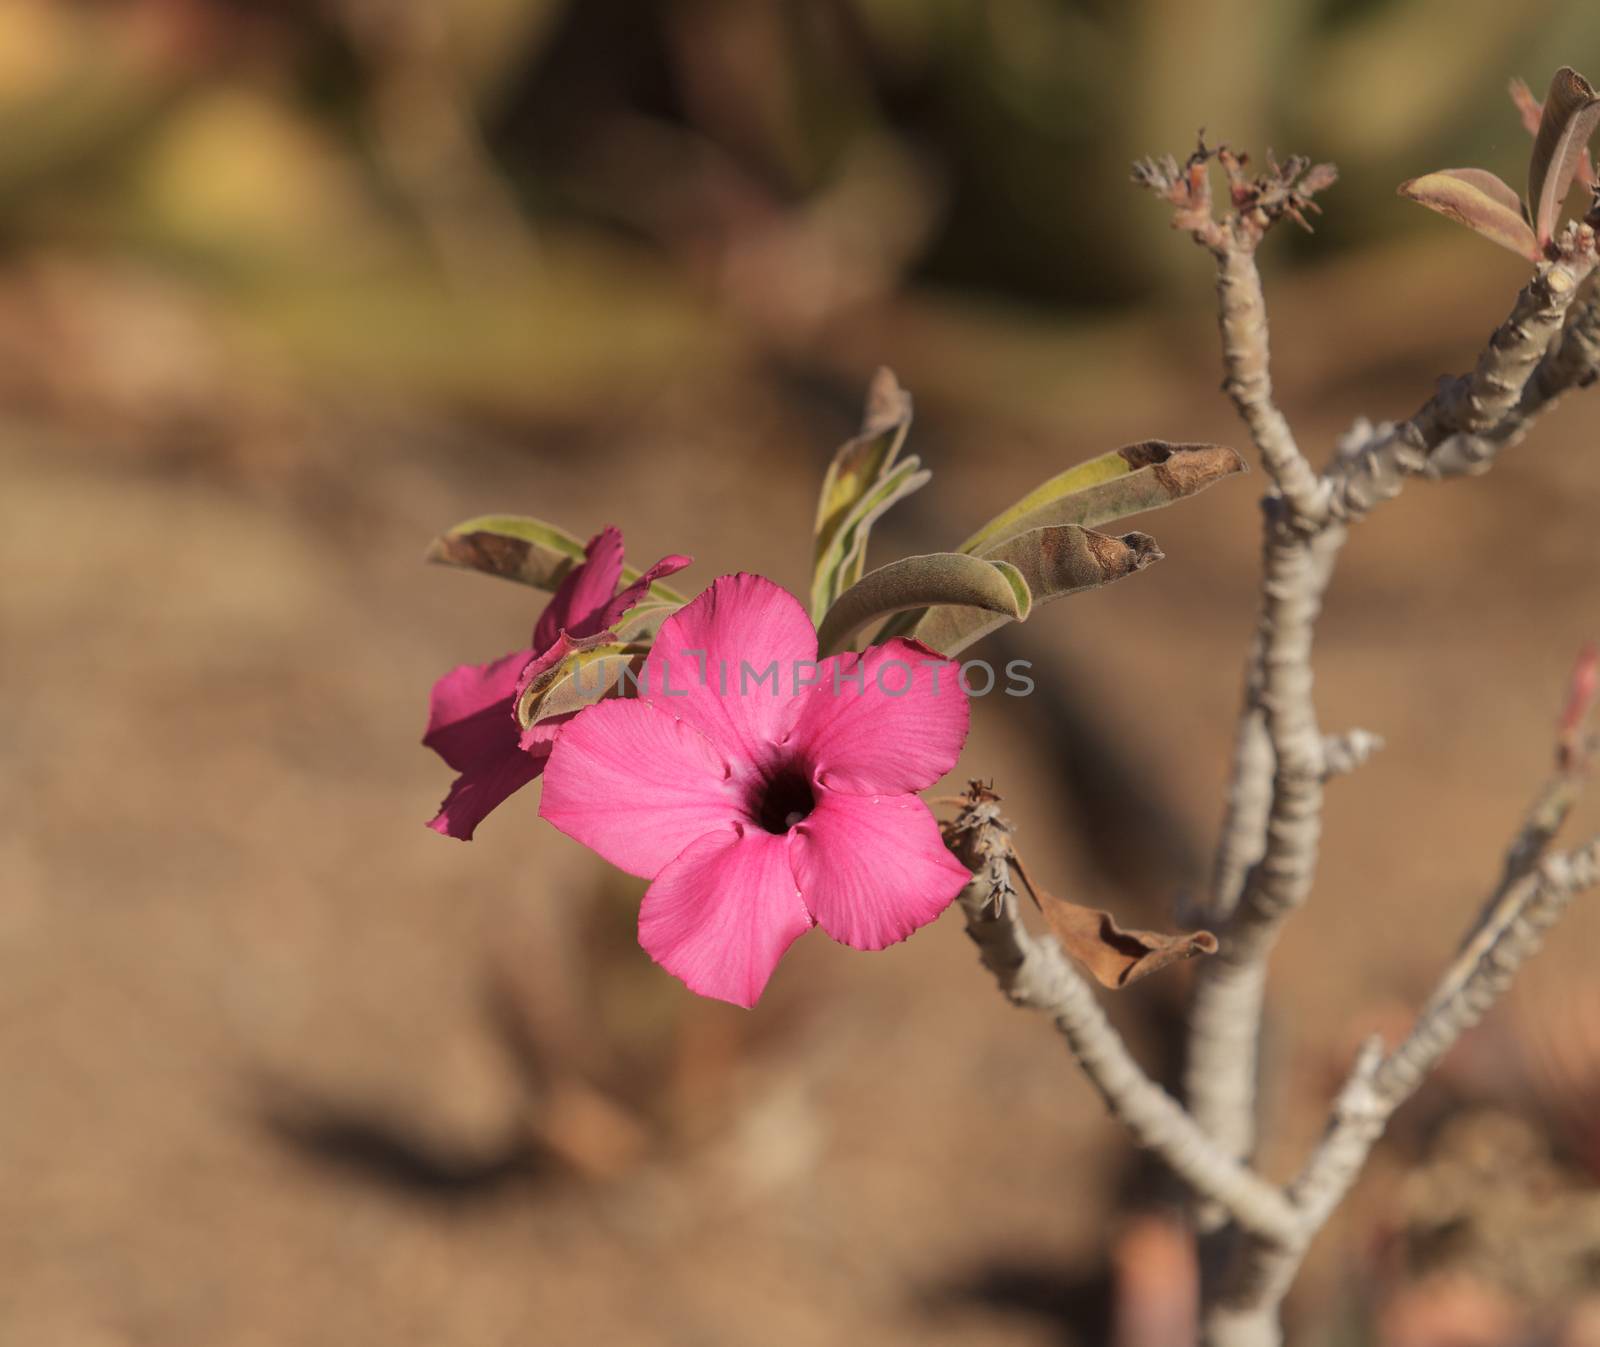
x=287 y=288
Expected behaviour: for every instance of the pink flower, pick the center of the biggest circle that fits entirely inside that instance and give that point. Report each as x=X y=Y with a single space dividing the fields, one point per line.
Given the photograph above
x=472 y=721
x=764 y=793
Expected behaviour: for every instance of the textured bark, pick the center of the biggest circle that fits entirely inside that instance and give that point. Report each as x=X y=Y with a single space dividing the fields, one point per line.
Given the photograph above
x=1244 y=1311
x=1266 y=858
x=1032 y=971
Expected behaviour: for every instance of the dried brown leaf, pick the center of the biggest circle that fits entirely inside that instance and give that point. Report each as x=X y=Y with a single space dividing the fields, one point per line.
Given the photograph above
x=1116 y=957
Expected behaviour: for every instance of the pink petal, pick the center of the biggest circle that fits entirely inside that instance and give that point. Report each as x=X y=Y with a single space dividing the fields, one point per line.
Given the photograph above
x=889 y=720
x=584 y=594
x=708 y=662
x=472 y=727
x=636 y=786
x=469 y=711
x=625 y=599
x=872 y=869
x=484 y=786
x=721 y=915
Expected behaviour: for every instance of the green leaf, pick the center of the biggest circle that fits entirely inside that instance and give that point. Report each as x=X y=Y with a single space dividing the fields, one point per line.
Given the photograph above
x=1126 y=481
x=853 y=491
x=644 y=619
x=524 y=549
x=1476 y=198
x=995 y=587
x=844 y=559
x=859 y=463
x=589 y=670
x=1054 y=562
x=1571 y=113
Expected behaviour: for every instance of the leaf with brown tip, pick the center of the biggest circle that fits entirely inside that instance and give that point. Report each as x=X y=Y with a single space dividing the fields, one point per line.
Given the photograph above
x=1476 y=198
x=939 y=578
x=860 y=467
x=581 y=671
x=1571 y=113
x=1126 y=481
x=1054 y=562
x=1531 y=110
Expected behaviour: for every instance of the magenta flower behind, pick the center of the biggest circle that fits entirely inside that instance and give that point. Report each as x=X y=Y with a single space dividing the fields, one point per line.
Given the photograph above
x=472 y=722
x=762 y=791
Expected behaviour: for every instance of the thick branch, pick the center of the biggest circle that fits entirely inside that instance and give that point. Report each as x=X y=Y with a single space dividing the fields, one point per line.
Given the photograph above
x=1573 y=361
x=1220 y=1076
x=1523 y=370
x=1242 y=316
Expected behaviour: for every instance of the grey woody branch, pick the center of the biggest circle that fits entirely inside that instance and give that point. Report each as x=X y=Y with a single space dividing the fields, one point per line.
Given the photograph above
x=1267 y=855
x=1033 y=971
x=1245 y=1310
x=1266 y=859
x=1532 y=359
x=1283 y=191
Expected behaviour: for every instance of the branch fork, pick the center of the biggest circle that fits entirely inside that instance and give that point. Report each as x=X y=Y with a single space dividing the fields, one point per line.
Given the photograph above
x=1255 y=1233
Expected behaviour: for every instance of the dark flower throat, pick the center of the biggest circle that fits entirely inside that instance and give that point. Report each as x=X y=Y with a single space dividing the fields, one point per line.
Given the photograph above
x=783 y=800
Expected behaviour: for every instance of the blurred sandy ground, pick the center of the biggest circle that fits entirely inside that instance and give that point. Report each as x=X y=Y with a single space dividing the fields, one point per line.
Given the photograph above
x=285 y=289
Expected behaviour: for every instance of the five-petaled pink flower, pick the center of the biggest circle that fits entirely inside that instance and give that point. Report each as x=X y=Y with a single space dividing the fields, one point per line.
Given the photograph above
x=472 y=721
x=764 y=792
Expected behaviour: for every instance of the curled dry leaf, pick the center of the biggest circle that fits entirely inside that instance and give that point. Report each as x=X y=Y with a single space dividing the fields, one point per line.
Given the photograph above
x=575 y=673
x=1117 y=958
x=1570 y=115
x=1476 y=198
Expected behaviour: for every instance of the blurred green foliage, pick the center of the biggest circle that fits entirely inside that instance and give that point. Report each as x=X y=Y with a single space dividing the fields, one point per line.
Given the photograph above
x=509 y=200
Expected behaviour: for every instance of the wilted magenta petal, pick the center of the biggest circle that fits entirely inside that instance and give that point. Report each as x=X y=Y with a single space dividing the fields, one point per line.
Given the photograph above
x=472 y=727
x=484 y=786
x=636 y=785
x=538 y=738
x=469 y=710
x=889 y=720
x=584 y=594
x=720 y=916
x=727 y=663
x=626 y=598
x=872 y=868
